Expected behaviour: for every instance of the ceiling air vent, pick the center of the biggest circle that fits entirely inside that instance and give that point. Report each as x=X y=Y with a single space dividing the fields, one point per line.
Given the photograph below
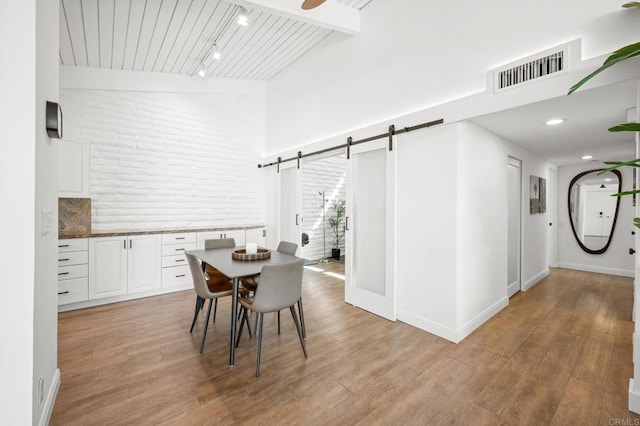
x=546 y=64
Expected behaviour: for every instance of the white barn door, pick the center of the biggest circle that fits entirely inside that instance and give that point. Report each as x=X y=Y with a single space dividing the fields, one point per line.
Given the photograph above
x=290 y=204
x=370 y=242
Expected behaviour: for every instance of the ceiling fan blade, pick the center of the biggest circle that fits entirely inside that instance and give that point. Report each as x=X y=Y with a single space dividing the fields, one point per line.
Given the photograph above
x=310 y=4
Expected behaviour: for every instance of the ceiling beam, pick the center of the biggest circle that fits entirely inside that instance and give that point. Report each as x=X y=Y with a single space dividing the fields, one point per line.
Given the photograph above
x=332 y=15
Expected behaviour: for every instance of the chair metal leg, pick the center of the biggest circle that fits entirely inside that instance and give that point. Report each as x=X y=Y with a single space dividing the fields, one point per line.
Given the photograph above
x=243 y=312
x=206 y=325
x=295 y=319
x=255 y=324
x=261 y=315
x=215 y=309
x=199 y=302
x=301 y=313
x=246 y=318
x=278 y=323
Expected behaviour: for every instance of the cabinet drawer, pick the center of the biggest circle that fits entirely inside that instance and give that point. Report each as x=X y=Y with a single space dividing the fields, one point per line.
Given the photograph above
x=70 y=272
x=73 y=244
x=177 y=275
x=179 y=238
x=174 y=249
x=73 y=258
x=177 y=260
x=74 y=290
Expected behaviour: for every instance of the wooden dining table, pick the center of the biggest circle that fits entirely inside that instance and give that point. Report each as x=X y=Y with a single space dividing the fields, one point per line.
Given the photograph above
x=235 y=269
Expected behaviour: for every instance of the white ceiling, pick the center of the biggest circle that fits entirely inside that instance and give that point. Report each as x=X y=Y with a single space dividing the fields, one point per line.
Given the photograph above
x=588 y=114
x=173 y=36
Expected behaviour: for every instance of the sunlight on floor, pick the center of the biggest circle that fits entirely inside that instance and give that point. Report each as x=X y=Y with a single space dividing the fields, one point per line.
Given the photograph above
x=334 y=275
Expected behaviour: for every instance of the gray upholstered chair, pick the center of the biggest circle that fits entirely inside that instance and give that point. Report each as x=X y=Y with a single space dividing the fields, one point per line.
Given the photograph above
x=212 y=288
x=215 y=279
x=280 y=288
x=251 y=283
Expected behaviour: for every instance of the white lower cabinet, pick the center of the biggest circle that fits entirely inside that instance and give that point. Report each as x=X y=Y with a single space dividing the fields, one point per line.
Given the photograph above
x=107 y=266
x=143 y=263
x=73 y=271
x=175 y=269
x=121 y=265
x=131 y=266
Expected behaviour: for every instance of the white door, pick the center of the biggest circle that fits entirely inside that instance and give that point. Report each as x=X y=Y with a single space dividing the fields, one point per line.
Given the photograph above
x=290 y=209
x=369 y=274
x=144 y=263
x=513 y=225
x=107 y=266
x=552 y=195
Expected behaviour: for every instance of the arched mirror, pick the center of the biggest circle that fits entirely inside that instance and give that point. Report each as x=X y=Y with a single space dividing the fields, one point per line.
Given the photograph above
x=593 y=209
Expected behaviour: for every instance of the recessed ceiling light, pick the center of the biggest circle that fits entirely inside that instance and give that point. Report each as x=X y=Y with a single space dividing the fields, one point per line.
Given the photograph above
x=587 y=157
x=608 y=180
x=554 y=121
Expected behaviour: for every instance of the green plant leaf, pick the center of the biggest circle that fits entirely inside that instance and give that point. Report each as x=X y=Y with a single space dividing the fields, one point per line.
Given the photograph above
x=636 y=222
x=618 y=164
x=631 y=4
x=626 y=127
x=620 y=194
x=619 y=55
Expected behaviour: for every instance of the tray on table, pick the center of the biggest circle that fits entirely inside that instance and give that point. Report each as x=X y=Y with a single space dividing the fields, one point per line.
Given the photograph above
x=241 y=254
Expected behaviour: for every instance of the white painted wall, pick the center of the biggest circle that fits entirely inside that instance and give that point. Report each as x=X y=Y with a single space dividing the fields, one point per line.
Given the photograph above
x=482 y=258
x=535 y=227
x=17 y=191
x=616 y=260
x=426 y=231
x=414 y=54
x=45 y=302
x=168 y=153
x=451 y=227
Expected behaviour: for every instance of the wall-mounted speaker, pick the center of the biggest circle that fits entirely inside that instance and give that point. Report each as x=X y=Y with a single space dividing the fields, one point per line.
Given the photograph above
x=54 y=120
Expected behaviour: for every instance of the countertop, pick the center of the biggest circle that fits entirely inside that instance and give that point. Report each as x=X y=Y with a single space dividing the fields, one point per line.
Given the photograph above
x=114 y=233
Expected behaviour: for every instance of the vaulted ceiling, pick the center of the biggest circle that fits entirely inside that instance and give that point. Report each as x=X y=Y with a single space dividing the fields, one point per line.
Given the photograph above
x=175 y=36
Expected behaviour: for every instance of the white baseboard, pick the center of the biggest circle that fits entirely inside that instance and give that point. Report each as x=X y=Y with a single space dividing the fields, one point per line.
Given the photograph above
x=428 y=325
x=535 y=279
x=634 y=399
x=485 y=316
x=513 y=288
x=597 y=269
x=449 y=333
x=122 y=298
x=50 y=399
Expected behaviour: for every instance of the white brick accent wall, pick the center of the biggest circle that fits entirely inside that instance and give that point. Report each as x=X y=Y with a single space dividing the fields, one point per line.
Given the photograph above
x=328 y=175
x=170 y=160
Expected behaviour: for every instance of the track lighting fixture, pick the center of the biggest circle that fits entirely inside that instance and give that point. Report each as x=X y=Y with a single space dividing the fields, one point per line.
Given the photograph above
x=202 y=70
x=243 y=17
x=215 y=53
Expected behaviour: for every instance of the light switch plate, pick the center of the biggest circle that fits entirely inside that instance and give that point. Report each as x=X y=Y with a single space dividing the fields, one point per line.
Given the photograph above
x=46 y=221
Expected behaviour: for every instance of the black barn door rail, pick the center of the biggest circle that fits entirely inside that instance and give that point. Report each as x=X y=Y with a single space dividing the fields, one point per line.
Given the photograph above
x=350 y=142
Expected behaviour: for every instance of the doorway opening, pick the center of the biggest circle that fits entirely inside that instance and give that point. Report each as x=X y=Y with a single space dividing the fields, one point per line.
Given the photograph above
x=323 y=208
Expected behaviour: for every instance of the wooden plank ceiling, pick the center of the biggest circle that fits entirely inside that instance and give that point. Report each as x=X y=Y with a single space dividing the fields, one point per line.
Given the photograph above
x=175 y=36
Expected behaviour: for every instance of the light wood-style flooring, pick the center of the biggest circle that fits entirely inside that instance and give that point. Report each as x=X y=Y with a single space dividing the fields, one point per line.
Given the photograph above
x=558 y=354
